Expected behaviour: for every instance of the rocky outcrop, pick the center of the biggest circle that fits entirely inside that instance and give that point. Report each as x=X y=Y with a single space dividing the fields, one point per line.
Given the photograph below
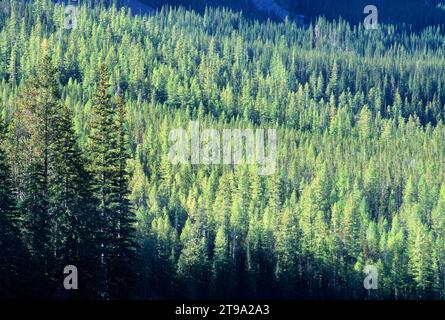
x=138 y=7
x=271 y=6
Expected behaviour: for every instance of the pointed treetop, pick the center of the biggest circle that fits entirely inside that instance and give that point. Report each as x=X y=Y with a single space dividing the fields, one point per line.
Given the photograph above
x=45 y=46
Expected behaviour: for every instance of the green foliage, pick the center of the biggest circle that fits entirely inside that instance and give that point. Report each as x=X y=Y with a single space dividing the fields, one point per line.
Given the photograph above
x=360 y=163
x=13 y=256
x=107 y=156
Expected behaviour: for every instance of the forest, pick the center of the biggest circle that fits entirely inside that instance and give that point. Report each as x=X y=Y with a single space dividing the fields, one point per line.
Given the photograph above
x=396 y=12
x=85 y=178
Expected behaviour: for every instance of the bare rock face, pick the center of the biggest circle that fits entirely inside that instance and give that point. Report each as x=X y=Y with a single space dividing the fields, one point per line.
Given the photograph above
x=271 y=6
x=138 y=6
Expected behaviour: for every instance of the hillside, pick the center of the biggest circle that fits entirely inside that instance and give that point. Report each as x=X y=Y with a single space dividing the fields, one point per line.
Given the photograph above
x=394 y=12
x=126 y=150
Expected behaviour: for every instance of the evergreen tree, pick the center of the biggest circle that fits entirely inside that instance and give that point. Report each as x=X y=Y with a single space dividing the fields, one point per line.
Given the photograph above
x=31 y=138
x=13 y=255
x=123 y=253
x=288 y=252
x=423 y=264
x=73 y=213
x=193 y=262
x=107 y=156
x=223 y=281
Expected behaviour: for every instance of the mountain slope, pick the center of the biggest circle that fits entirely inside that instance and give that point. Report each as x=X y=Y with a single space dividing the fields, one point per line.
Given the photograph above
x=395 y=12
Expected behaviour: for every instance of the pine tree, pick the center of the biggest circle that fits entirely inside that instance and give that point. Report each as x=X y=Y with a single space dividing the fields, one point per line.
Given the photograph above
x=101 y=152
x=288 y=252
x=351 y=225
x=438 y=226
x=30 y=139
x=71 y=205
x=332 y=87
x=398 y=260
x=193 y=263
x=107 y=156
x=423 y=265
x=50 y=176
x=163 y=241
x=13 y=254
x=223 y=280
x=123 y=254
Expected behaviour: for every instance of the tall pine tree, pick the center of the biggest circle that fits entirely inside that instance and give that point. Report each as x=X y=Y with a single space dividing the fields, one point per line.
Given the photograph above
x=13 y=254
x=107 y=155
x=30 y=138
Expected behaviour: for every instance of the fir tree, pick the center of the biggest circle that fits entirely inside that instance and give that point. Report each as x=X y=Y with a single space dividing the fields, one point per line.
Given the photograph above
x=107 y=155
x=31 y=137
x=123 y=253
x=13 y=254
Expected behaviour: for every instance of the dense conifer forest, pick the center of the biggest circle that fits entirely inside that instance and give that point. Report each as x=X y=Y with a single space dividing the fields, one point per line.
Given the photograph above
x=85 y=176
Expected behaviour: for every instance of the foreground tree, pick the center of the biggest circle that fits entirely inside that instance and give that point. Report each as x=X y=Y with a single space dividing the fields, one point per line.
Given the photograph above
x=31 y=136
x=107 y=155
x=13 y=254
x=74 y=216
x=52 y=184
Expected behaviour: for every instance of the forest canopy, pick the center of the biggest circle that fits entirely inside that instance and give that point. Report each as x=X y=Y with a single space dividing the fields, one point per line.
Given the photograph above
x=85 y=177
